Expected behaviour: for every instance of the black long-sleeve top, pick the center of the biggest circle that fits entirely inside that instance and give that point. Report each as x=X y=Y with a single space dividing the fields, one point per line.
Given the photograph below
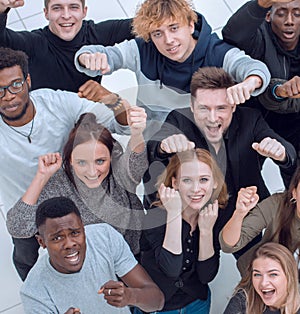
x=51 y=59
x=182 y=278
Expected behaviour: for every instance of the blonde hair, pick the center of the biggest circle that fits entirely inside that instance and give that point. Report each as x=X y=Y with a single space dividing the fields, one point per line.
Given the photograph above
x=285 y=258
x=202 y=155
x=152 y=13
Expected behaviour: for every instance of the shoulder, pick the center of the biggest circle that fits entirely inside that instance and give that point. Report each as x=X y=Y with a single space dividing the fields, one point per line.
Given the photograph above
x=271 y=205
x=101 y=231
x=37 y=276
x=237 y=304
x=246 y=115
x=181 y=114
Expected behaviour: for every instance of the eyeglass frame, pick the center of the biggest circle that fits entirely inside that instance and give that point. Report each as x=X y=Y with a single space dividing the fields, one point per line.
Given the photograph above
x=4 y=88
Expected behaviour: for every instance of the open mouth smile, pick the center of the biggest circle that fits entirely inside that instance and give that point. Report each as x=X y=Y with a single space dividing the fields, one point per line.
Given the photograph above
x=73 y=257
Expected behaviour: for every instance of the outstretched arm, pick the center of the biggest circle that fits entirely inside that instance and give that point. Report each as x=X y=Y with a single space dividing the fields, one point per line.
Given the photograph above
x=138 y=290
x=270 y=147
x=253 y=74
x=282 y=96
x=241 y=92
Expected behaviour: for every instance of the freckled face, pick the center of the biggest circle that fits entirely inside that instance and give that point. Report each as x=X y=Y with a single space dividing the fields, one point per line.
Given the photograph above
x=91 y=163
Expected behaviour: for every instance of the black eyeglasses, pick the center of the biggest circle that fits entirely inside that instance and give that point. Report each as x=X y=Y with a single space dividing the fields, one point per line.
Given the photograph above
x=13 y=88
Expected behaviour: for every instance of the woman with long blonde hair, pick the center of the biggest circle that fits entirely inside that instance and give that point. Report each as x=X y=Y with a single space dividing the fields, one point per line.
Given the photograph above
x=270 y=285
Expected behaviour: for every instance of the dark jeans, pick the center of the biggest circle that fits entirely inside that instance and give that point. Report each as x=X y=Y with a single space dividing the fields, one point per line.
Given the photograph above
x=25 y=255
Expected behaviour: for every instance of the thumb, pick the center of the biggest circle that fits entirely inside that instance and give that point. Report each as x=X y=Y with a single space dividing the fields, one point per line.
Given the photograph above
x=192 y=145
x=255 y=146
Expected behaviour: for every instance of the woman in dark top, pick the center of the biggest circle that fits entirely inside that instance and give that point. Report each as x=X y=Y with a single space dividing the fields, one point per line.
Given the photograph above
x=271 y=284
x=180 y=252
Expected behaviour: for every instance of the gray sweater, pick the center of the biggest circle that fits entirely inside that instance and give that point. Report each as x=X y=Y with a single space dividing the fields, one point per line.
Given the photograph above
x=114 y=202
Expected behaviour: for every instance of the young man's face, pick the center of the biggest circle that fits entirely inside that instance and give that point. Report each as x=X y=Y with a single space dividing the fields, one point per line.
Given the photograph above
x=174 y=40
x=212 y=114
x=13 y=107
x=65 y=17
x=64 y=239
x=285 y=23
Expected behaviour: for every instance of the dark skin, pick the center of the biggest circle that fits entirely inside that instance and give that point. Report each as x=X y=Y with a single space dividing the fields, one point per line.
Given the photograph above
x=290 y=89
x=65 y=235
x=284 y=18
x=93 y=91
x=16 y=109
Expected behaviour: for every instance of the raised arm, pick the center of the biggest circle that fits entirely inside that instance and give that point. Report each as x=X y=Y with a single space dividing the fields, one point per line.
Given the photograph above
x=247 y=199
x=171 y=201
x=21 y=217
x=8 y=4
x=129 y=167
x=137 y=118
x=206 y=221
x=243 y=28
x=47 y=165
x=19 y=40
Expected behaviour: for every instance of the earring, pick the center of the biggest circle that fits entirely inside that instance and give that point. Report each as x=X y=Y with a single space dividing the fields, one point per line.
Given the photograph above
x=293 y=200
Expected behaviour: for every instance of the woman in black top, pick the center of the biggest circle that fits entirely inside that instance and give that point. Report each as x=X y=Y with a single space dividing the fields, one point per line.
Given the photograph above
x=180 y=252
x=271 y=284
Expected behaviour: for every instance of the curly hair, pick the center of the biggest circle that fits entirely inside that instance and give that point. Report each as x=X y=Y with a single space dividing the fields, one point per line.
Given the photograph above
x=10 y=58
x=152 y=13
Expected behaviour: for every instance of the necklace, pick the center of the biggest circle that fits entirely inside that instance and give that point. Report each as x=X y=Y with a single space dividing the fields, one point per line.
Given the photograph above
x=30 y=132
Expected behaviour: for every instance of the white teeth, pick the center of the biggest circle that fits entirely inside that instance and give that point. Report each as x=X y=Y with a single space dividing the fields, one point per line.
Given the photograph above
x=267 y=291
x=66 y=25
x=196 y=197
x=73 y=254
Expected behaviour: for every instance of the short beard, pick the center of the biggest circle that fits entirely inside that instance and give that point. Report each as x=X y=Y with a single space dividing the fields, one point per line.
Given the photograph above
x=19 y=116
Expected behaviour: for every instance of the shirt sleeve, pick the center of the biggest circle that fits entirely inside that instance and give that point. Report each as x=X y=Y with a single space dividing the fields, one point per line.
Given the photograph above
x=240 y=66
x=283 y=105
x=259 y=218
x=121 y=56
x=243 y=29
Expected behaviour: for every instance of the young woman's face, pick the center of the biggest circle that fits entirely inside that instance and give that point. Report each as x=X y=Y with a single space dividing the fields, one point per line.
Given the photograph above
x=195 y=184
x=91 y=163
x=269 y=281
